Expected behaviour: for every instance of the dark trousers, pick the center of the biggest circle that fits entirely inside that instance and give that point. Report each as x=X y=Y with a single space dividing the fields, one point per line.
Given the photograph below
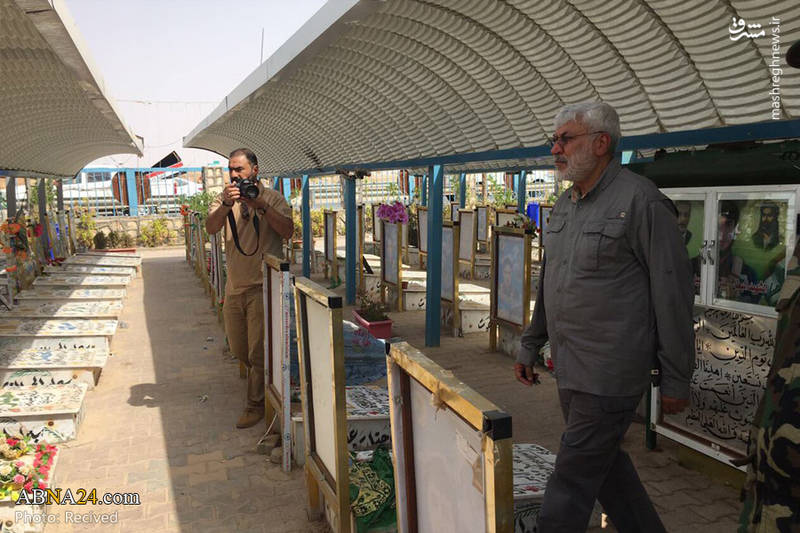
x=591 y=466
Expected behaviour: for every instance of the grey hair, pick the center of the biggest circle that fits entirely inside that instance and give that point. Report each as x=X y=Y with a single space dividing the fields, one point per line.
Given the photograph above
x=596 y=116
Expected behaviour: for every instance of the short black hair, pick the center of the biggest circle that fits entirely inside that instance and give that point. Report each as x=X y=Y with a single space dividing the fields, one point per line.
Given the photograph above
x=248 y=153
x=729 y=210
x=771 y=205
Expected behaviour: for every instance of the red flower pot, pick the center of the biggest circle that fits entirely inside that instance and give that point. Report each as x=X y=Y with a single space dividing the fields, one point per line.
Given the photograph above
x=381 y=329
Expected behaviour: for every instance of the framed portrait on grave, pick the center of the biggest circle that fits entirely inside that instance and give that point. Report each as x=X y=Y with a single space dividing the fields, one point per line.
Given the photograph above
x=376 y=223
x=391 y=266
x=422 y=234
x=454 y=207
x=452 y=450
x=450 y=242
x=320 y=345
x=277 y=295
x=482 y=213
x=503 y=216
x=511 y=277
x=468 y=232
x=422 y=229
x=739 y=241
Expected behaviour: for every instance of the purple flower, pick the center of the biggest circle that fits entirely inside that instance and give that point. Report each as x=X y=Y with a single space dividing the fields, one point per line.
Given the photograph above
x=394 y=213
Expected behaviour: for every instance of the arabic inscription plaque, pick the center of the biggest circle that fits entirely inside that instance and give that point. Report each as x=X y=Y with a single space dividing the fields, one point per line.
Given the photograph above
x=733 y=357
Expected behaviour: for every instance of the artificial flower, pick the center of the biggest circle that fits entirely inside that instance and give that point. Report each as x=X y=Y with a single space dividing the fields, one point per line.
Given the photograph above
x=19 y=479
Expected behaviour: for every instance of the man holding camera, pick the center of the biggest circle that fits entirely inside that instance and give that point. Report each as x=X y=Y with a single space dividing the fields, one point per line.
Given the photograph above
x=256 y=220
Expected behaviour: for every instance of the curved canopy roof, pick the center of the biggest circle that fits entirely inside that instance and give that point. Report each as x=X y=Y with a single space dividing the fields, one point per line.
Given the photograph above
x=407 y=80
x=54 y=114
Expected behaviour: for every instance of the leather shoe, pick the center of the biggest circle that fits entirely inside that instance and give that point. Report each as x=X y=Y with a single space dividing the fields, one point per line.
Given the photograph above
x=249 y=418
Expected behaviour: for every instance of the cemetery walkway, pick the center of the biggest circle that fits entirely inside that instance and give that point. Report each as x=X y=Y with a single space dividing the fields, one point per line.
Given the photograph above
x=161 y=424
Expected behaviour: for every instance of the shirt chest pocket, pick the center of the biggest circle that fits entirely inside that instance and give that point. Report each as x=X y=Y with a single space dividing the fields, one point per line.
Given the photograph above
x=553 y=237
x=602 y=244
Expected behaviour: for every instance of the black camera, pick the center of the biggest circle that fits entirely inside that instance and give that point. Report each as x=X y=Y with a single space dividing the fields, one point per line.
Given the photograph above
x=247 y=188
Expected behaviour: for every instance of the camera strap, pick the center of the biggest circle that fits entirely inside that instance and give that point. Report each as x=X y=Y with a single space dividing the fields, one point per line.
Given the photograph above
x=232 y=222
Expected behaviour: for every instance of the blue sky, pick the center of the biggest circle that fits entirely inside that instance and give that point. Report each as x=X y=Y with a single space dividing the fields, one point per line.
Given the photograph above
x=168 y=63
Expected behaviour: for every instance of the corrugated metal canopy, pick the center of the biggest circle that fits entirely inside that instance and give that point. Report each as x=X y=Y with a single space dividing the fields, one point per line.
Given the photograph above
x=370 y=81
x=54 y=114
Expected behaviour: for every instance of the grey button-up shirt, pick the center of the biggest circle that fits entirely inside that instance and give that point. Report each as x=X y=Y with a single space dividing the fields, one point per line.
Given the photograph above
x=615 y=295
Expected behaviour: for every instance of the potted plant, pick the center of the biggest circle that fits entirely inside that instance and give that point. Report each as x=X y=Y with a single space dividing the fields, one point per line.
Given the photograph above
x=371 y=315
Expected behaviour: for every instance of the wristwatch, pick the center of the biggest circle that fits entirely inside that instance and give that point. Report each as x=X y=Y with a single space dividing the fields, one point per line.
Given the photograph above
x=227 y=205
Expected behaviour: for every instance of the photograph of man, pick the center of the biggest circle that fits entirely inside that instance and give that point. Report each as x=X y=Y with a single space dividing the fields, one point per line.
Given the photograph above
x=684 y=216
x=684 y=208
x=767 y=236
x=736 y=278
x=256 y=220
x=614 y=300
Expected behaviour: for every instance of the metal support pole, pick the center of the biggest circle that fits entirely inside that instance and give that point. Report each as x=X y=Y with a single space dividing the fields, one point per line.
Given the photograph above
x=462 y=190
x=276 y=184
x=133 y=196
x=522 y=191
x=306 y=215
x=424 y=190
x=351 y=238
x=11 y=197
x=433 y=286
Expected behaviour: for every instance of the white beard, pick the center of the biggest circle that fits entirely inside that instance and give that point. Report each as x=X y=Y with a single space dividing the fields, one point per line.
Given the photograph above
x=579 y=166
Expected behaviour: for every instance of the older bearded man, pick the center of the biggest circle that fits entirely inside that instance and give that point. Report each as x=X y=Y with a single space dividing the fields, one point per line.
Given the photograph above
x=615 y=300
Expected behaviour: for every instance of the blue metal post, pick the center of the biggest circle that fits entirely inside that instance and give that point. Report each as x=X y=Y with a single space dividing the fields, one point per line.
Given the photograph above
x=462 y=190
x=412 y=188
x=133 y=197
x=433 y=287
x=350 y=239
x=276 y=183
x=306 y=215
x=424 y=190
x=522 y=191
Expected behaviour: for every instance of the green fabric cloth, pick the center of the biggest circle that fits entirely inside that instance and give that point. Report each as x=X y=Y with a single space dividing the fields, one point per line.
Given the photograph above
x=372 y=492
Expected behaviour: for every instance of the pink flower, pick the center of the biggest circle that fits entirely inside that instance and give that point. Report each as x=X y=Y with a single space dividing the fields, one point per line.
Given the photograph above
x=28 y=486
x=19 y=479
x=394 y=213
x=42 y=485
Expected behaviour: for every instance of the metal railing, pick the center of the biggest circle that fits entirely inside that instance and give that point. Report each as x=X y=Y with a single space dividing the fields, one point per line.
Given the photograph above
x=129 y=191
